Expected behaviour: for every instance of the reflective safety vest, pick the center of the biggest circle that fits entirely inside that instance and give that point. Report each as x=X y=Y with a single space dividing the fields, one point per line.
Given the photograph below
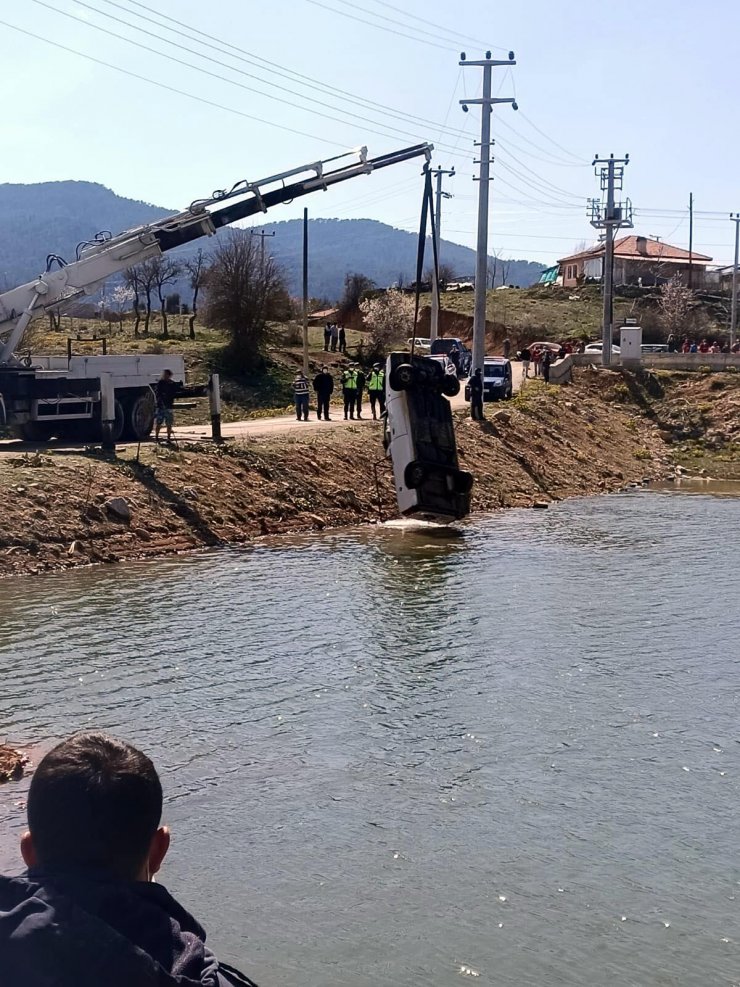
x=349 y=380
x=376 y=380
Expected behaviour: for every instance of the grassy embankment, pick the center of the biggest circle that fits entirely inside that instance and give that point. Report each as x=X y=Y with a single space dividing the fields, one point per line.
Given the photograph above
x=266 y=391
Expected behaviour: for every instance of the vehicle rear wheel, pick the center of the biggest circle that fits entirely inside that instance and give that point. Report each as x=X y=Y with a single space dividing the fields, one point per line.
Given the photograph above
x=37 y=431
x=140 y=416
x=463 y=482
x=402 y=377
x=414 y=475
x=450 y=386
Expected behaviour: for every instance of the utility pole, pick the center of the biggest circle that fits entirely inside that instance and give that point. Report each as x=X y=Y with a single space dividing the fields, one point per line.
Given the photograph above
x=438 y=173
x=261 y=234
x=691 y=239
x=486 y=104
x=735 y=217
x=610 y=218
x=305 y=291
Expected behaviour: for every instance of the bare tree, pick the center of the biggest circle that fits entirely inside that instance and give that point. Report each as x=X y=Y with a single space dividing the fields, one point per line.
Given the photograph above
x=148 y=273
x=356 y=286
x=505 y=265
x=196 y=271
x=446 y=274
x=242 y=294
x=164 y=270
x=492 y=269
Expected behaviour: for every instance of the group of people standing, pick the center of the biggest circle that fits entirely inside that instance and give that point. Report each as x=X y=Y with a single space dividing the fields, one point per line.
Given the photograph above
x=687 y=345
x=542 y=360
x=354 y=382
x=335 y=338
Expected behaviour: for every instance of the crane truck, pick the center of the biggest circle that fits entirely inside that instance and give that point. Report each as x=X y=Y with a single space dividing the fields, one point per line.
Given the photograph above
x=45 y=396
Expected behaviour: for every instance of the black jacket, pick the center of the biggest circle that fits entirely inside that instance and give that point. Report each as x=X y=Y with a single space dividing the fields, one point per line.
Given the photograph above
x=88 y=931
x=323 y=384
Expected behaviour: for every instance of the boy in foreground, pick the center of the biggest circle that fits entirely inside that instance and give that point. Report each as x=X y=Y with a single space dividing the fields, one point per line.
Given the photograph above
x=85 y=914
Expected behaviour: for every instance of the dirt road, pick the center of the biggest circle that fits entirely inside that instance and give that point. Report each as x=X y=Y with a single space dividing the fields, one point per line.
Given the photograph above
x=261 y=427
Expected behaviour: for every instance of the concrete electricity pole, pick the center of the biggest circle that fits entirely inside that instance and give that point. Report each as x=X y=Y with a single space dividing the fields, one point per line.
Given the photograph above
x=261 y=234
x=305 y=291
x=481 y=255
x=614 y=215
x=438 y=173
x=735 y=217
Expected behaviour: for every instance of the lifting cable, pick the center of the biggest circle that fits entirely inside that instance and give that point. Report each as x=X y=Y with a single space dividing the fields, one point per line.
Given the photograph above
x=427 y=207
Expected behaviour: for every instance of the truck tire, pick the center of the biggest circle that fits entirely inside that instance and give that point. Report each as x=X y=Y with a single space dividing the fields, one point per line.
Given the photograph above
x=36 y=432
x=414 y=475
x=139 y=413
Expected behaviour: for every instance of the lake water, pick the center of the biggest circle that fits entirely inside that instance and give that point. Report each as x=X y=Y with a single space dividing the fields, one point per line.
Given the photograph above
x=396 y=759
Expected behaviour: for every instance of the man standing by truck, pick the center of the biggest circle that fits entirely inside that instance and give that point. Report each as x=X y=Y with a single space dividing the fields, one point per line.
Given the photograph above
x=164 y=393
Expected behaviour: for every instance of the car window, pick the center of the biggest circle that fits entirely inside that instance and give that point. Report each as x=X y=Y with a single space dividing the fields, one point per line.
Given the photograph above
x=494 y=370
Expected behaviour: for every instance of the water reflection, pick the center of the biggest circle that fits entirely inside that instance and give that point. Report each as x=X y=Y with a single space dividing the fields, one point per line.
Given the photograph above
x=418 y=755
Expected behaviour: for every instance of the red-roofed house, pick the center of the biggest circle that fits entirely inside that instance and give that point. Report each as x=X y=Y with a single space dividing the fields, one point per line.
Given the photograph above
x=637 y=260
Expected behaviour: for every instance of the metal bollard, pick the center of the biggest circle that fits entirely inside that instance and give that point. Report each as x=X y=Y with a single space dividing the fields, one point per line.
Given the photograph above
x=214 y=401
x=107 y=412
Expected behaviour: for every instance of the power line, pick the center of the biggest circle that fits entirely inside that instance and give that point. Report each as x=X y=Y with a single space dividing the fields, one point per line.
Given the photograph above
x=215 y=75
x=380 y=27
x=250 y=58
x=391 y=20
x=444 y=30
x=162 y=85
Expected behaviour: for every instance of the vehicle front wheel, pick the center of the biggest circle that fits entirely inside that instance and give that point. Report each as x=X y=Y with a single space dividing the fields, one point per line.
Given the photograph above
x=450 y=386
x=414 y=475
x=402 y=377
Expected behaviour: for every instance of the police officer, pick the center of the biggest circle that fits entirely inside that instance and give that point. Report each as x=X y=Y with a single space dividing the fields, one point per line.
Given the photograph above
x=349 y=391
x=376 y=388
x=323 y=384
x=476 y=396
x=360 y=381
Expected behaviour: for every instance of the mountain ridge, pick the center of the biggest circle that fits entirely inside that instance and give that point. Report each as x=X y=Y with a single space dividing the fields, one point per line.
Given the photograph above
x=54 y=217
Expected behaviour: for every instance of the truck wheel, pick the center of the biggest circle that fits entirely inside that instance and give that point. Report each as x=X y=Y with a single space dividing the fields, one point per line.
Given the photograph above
x=450 y=386
x=402 y=377
x=414 y=475
x=463 y=482
x=140 y=416
x=37 y=432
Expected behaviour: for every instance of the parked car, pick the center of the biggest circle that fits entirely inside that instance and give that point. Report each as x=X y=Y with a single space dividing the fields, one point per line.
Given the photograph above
x=497 y=381
x=598 y=347
x=456 y=350
x=654 y=347
x=445 y=362
x=420 y=342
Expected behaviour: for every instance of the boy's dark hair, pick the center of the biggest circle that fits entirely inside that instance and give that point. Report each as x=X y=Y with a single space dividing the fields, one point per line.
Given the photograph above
x=94 y=802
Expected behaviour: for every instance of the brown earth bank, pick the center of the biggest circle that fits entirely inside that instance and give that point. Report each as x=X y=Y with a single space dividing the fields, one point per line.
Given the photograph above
x=602 y=432
x=12 y=764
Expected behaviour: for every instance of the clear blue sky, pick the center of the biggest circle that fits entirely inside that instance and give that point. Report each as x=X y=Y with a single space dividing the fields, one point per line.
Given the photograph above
x=657 y=80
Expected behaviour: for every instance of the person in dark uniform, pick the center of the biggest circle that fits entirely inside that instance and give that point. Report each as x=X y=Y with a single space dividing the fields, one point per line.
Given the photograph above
x=476 y=396
x=360 y=381
x=349 y=391
x=376 y=388
x=546 y=361
x=327 y=336
x=342 y=340
x=323 y=384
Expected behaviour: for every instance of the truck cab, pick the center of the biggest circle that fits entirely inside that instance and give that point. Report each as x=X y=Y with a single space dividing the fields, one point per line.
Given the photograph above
x=420 y=440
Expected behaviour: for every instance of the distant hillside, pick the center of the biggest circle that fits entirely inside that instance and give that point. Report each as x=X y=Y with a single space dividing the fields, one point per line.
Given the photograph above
x=53 y=217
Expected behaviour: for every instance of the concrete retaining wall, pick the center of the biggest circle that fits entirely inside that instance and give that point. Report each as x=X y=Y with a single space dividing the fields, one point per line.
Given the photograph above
x=666 y=361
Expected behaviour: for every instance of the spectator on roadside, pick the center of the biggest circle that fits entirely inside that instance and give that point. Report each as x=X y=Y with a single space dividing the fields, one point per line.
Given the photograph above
x=360 y=381
x=525 y=356
x=715 y=347
x=507 y=348
x=164 y=395
x=323 y=385
x=693 y=348
x=476 y=396
x=672 y=344
x=735 y=346
x=300 y=393
x=376 y=388
x=685 y=345
x=546 y=361
x=334 y=337
x=537 y=360
x=342 y=340
x=349 y=391
x=327 y=336
x=704 y=345
x=87 y=912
